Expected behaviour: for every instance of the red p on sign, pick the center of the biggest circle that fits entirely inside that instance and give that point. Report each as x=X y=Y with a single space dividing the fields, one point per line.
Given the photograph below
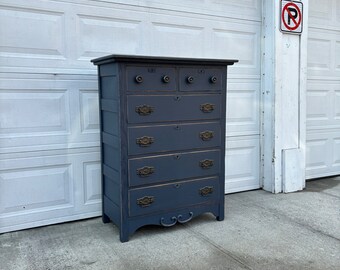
x=291 y=16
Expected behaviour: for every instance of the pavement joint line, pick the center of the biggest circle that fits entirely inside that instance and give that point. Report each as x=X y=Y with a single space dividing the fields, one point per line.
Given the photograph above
x=328 y=194
x=288 y=218
x=217 y=246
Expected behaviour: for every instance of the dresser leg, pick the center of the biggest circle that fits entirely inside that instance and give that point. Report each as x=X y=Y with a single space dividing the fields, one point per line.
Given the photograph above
x=124 y=237
x=220 y=216
x=105 y=218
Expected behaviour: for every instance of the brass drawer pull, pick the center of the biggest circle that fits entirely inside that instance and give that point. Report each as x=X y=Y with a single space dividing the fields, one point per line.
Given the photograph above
x=207 y=107
x=145 y=201
x=213 y=79
x=145 y=141
x=166 y=79
x=206 y=135
x=139 y=79
x=205 y=191
x=144 y=110
x=145 y=171
x=206 y=163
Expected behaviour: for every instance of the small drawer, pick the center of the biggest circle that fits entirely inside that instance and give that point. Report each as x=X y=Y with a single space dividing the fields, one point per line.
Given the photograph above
x=200 y=79
x=150 y=170
x=172 y=196
x=146 y=109
x=174 y=137
x=151 y=78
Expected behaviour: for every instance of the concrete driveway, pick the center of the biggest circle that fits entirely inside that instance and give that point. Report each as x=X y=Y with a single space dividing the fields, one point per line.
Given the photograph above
x=261 y=231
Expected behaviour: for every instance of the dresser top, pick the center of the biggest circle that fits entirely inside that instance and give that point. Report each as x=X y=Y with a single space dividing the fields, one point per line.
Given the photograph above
x=161 y=60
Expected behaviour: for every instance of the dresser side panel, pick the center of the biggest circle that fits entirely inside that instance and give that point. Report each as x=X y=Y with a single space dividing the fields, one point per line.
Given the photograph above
x=110 y=141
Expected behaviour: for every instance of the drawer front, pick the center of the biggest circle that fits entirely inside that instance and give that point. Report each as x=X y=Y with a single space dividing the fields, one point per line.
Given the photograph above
x=155 y=169
x=160 y=138
x=172 y=196
x=166 y=108
x=200 y=79
x=151 y=78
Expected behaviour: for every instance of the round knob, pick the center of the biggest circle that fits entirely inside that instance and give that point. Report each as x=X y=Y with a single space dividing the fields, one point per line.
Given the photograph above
x=166 y=79
x=190 y=79
x=213 y=79
x=139 y=79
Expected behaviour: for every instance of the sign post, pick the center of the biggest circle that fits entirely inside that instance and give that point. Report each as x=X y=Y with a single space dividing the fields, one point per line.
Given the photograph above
x=291 y=17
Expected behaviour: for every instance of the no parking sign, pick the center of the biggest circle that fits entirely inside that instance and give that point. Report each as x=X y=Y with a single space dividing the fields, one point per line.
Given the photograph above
x=291 y=17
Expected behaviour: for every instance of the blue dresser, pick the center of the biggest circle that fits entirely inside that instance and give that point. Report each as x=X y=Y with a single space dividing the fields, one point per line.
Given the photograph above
x=162 y=139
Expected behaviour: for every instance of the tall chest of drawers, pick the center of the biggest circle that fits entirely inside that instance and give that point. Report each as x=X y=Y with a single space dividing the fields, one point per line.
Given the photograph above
x=162 y=139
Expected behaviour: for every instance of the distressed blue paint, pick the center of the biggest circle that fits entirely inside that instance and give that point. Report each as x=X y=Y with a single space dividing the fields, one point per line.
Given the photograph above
x=174 y=137
x=173 y=195
x=173 y=107
x=174 y=166
x=178 y=187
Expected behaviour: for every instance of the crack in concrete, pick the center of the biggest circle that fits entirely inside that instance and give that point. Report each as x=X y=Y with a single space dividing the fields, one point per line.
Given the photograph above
x=218 y=247
x=329 y=194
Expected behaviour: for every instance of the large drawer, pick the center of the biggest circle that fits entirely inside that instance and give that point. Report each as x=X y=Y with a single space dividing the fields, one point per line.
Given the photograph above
x=167 y=108
x=200 y=79
x=171 y=196
x=151 y=78
x=150 y=170
x=174 y=137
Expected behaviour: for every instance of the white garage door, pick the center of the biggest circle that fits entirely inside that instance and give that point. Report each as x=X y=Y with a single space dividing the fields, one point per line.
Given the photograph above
x=49 y=162
x=323 y=89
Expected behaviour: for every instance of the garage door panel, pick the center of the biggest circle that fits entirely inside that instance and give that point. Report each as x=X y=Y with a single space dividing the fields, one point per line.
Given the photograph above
x=323 y=153
x=336 y=157
x=243 y=44
x=45 y=42
x=89 y=116
x=245 y=151
x=337 y=104
x=321 y=60
x=323 y=103
x=237 y=43
x=38 y=114
x=91 y=181
x=318 y=113
x=32 y=189
x=38 y=37
x=321 y=12
x=314 y=160
x=337 y=55
x=41 y=188
x=165 y=35
x=325 y=62
x=119 y=35
x=23 y=112
x=243 y=108
x=326 y=16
